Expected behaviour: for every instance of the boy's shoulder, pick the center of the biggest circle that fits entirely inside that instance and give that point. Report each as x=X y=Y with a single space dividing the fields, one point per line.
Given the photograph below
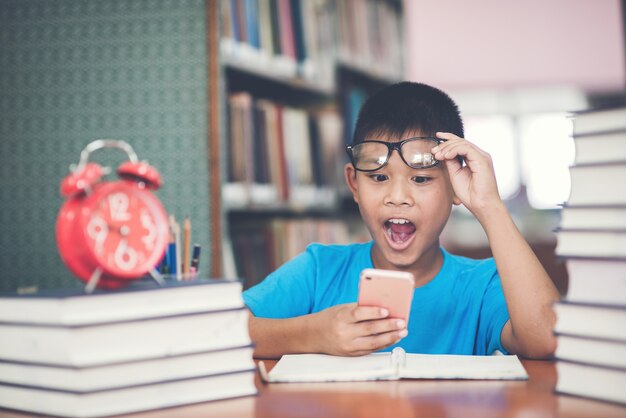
x=463 y=264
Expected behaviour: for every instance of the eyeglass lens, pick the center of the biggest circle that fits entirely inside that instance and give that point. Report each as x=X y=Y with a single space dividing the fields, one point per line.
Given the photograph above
x=416 y=153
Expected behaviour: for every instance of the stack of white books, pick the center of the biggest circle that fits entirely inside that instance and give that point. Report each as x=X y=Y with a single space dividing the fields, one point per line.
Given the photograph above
x=591 y=318
x=68 y=353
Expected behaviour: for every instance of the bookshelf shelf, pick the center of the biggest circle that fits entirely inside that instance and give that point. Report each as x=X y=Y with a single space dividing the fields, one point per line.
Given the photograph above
x=293 y=75
x=368 y=76
x=264 y=82
x=264 y=198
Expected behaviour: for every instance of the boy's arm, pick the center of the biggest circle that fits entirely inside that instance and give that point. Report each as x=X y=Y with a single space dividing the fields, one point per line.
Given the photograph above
x=528 y=290
x=346 y=330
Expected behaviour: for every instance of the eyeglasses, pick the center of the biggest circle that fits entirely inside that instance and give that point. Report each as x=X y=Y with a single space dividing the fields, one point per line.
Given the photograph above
x=373 y=155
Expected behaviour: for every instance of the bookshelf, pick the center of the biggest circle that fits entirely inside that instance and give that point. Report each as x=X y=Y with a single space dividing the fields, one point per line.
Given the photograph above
x=292 y=76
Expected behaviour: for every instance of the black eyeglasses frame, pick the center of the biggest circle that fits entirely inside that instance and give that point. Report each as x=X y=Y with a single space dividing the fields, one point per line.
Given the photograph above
x=397 y=145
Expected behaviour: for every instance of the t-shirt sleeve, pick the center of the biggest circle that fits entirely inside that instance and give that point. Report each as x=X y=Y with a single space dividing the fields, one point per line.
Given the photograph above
x=493 y=316
x=285 y=293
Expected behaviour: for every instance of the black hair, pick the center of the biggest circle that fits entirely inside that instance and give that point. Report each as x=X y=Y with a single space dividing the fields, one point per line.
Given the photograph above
x=407 y=106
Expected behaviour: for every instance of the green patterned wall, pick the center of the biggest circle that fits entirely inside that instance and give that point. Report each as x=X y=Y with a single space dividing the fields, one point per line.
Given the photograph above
x=76 y=70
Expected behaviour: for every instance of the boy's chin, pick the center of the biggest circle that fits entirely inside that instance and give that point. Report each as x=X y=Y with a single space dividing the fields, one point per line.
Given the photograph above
x=397 y=258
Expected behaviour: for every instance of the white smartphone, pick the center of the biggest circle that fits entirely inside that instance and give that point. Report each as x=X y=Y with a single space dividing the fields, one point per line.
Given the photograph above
x=389 y=289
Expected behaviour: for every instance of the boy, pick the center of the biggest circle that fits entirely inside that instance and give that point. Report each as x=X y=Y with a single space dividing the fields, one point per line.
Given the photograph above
x=409 y=165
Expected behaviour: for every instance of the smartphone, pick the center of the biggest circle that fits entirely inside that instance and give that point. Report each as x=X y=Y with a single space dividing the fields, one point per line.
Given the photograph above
x=389 y=289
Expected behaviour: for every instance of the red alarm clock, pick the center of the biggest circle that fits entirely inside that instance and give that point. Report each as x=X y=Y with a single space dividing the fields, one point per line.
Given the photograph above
x=110 y=233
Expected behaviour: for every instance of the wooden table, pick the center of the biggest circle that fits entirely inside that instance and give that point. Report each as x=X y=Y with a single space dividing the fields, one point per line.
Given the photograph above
x=406 y=398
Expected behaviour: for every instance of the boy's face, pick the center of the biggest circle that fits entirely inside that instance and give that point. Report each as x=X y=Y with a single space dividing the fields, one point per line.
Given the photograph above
x=404 y=209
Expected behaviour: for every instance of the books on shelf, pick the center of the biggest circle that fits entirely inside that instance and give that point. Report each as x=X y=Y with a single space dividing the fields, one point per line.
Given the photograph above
x=304 y=38
x=289 y=38
x=262 y=246
x=591 y=336
x=70 y=353
x=370 y=35
x=392 y=366
x=280 y=155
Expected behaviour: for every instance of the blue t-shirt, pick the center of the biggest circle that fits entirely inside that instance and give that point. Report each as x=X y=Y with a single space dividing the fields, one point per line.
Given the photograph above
x=462 y=310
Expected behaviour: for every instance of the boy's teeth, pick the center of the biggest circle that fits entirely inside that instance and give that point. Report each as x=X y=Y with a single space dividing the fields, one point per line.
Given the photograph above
x=398 y=221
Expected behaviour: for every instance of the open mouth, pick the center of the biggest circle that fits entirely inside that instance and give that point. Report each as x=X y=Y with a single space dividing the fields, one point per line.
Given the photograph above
x=399 y=231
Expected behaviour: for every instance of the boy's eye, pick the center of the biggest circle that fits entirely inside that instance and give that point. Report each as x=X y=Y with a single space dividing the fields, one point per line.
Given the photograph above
x=378 y=177
x=421 y=179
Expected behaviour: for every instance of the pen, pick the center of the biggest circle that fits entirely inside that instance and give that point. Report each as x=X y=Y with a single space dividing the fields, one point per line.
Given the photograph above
x=171 y=249
x=195 y=261
x=186 y=245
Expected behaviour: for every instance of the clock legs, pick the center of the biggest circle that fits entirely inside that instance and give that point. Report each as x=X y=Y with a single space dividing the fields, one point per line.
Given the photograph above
x=154 y=273
x=93 y=280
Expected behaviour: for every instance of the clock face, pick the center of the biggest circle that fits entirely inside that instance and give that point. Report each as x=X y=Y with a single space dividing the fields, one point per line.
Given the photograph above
x=125 y=229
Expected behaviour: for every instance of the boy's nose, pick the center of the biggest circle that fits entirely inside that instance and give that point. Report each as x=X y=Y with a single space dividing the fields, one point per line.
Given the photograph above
x=399 y=187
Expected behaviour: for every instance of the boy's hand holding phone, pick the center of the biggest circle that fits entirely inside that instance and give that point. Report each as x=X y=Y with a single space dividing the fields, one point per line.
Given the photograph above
x=378 y=320
x=352 y=330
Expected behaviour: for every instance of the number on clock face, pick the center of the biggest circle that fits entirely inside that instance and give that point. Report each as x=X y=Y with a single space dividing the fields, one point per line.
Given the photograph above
x=122 y=231
x=118 y=206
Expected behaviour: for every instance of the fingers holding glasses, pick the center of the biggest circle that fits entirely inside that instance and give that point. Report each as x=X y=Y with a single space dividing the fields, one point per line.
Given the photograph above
x=475 y=183
x=455 y=147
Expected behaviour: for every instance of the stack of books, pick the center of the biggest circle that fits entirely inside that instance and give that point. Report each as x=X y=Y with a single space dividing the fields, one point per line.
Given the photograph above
x=68 y=353
x=591 y=318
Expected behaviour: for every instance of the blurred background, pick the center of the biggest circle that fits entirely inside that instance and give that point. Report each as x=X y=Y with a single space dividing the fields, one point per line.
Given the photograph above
x=210 y=91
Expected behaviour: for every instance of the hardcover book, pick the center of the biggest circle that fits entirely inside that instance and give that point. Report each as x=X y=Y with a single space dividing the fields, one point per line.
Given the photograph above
x=128 y=399
x=141 y=300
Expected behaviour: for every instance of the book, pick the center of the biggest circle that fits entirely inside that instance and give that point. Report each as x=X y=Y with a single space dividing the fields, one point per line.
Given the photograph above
x=597 y=243
x=601 y=383
x=597 y=281
x=593 y=321
x=595 y=351
x=392 y=366
x=95 y=378
x=140 y=300
x=91 y=345
x=599 y=120
x=600 y=147
x=593 y=218
x=598 y=184
x=127 y=399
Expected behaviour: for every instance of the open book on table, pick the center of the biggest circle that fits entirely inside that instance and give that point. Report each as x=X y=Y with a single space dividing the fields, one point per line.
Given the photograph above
x=392 y=366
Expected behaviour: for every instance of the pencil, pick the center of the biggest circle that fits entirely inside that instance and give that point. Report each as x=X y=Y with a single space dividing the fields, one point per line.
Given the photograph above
x=179 y=272
x=186 y=246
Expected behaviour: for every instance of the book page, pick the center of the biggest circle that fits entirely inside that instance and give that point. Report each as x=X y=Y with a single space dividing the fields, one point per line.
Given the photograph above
x=326 y=368
x=428 y=366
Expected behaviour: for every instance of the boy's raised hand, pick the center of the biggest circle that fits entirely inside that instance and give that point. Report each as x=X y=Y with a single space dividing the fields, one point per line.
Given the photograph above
x=351 y=330
x=475 y=183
